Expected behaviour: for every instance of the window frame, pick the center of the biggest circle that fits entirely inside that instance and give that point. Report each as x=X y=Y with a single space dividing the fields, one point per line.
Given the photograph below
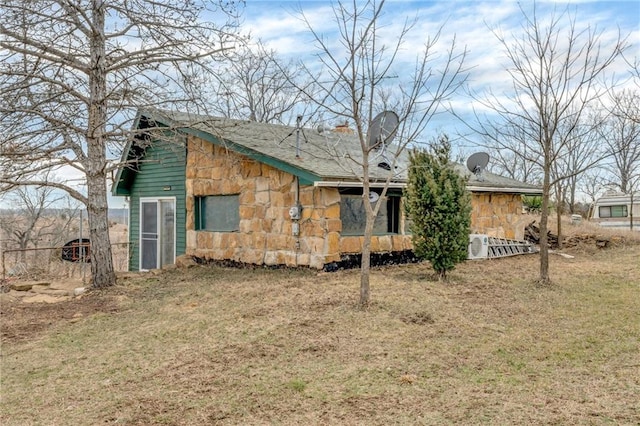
x=393 y=212
x=202 y=207
x=614 y=211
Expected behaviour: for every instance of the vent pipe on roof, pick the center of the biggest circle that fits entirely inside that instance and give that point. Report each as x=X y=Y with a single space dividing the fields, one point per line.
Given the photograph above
x=298 y=123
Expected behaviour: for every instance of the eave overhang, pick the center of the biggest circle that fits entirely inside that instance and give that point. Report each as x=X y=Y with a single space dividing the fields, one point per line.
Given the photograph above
x=504 y=190
x=305 y=177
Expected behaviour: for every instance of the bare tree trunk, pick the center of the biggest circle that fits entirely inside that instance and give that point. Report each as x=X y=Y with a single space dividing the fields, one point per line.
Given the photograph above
x=358 y=90
x=23 y=253
x=559 y=212
x=101 y=258
x=544 y=218
x=365 y=267
x=631 y=210
x=77 y=78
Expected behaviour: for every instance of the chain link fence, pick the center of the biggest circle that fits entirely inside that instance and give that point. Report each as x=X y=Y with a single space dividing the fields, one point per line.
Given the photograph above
x=48 y=263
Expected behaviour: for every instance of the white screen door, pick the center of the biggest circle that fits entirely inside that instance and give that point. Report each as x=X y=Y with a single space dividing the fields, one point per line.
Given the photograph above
x=157 y=233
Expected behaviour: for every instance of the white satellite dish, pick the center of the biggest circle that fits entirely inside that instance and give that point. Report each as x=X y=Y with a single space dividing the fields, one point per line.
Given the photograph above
x=373 y=196
x=477 y=163
x=382 y=129
x=321 y=128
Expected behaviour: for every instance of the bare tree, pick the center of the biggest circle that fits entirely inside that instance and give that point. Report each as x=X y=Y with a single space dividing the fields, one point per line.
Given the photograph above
x=582 y=155
x=257 y=85
x=32 y=218
x=358 y=78
x=621 y=134
x=634 y=71
x=512 y=155
x=592 y=183
x=554 y=69
x=581 y=150
x=72 y=75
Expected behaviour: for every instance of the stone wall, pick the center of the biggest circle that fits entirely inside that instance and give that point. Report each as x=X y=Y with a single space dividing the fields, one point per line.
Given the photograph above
x=352 y=244
x=266 y=194
x=497 y=215
x=321 y=216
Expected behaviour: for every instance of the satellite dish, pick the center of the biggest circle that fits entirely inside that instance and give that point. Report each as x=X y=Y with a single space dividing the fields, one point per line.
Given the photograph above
x=384 y=165
x=477 y=163
x=382 y=128
x=373 y=196
x=323 y=128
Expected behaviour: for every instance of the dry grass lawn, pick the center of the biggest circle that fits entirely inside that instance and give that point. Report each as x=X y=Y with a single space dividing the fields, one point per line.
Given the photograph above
x=209 y=345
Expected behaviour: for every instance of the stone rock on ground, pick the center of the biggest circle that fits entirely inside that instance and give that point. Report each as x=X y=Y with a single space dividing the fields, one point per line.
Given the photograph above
x=68 y=285
x=185 y=261
x=51 y=292
x=44 y=298
x=21 y=286
x=26 y=286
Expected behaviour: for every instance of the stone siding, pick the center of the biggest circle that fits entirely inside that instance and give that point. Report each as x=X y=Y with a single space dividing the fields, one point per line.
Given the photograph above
x=497 y=215
x=266 y=194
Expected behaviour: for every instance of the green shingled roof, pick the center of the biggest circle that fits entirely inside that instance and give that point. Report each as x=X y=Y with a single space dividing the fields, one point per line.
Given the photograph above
x=328 y=155
x=313 y=156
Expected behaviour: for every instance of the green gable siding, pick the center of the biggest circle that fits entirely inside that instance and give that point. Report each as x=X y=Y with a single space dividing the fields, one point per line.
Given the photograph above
x=161 y=174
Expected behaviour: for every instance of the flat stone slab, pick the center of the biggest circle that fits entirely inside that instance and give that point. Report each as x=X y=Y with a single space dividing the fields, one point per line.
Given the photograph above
x=52 y=292
x=45 y=298
x=21 y=286
x=66 y=285
x=27 y=285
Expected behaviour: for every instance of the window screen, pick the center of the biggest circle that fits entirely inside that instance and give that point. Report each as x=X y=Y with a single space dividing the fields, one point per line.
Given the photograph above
x=218 y=213
x=353 y=215
x=613 y=211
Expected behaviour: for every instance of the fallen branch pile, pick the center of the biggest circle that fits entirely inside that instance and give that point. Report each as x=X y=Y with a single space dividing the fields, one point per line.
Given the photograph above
x=532 y=234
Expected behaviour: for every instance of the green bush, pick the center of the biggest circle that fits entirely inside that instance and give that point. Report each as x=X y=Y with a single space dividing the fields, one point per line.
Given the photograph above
x=439 y=208
x=532 y=203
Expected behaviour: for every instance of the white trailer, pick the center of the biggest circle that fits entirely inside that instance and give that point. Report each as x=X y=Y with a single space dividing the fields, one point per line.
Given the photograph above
x=617 y=210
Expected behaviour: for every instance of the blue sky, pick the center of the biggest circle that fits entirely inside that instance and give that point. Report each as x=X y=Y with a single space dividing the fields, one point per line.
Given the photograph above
x=277 y=22
x=278 y=25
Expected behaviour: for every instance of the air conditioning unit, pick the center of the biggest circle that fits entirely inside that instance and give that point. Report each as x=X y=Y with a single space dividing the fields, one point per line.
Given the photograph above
x=478 y=246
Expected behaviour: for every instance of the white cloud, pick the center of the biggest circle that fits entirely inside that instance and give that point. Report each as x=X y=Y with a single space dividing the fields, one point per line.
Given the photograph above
x=471 y=22
x=281 y=27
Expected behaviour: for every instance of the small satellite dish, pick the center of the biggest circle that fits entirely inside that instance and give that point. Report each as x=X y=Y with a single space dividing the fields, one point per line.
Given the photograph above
x=322 y=128
x=477 y=163
x=373 y=196
x=382 y=128
x=384 y=165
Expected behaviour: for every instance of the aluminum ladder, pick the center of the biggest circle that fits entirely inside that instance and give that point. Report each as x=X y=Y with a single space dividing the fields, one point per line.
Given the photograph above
x=502 y=247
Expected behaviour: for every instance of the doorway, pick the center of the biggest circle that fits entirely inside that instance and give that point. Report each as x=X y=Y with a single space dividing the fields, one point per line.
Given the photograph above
x=157 y=232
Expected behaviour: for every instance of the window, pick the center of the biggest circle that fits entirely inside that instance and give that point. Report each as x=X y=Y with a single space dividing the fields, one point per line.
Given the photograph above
x=612 y=211
x=217 y=213
x=353 y=215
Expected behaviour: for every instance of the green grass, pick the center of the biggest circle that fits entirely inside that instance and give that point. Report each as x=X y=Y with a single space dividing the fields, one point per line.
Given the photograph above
x=220 y=346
